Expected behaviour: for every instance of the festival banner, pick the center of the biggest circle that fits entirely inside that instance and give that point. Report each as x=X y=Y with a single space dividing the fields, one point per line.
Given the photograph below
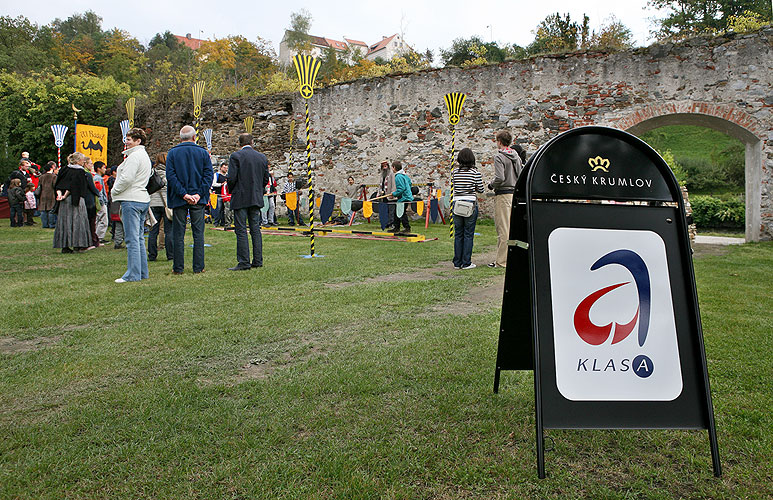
x=367 y=208
x=91 y=140
x=291 y=199
x=213 y=200
x=420 y=207
x=346 y=205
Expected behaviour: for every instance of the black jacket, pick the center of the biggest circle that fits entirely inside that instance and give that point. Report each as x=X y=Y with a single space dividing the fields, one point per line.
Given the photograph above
x=247 y=178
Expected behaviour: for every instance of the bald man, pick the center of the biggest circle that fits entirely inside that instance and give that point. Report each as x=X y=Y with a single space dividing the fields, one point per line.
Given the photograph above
x=188 y=179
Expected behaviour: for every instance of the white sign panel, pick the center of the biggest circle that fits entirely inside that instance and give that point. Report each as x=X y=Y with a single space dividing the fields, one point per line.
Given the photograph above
x=613 y=317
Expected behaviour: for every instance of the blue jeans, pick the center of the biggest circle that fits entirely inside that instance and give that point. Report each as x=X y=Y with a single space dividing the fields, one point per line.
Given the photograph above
x=178 y=231
x=464 y=232
x=133 y=216
x=47 y=219
x=241 y=217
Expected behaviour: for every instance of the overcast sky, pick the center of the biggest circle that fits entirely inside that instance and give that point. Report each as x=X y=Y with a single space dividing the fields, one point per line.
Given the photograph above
x=426 y=24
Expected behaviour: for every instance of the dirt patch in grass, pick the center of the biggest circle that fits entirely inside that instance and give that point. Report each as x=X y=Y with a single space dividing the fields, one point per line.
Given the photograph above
x=475 y=300
x=707 y=250
x=11 y=345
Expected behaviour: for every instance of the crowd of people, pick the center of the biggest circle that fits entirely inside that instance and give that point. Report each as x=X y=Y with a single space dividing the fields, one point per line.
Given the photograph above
x=83 y=200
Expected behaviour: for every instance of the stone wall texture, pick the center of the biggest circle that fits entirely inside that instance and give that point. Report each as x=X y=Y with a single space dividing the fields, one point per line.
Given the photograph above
x=723 y=83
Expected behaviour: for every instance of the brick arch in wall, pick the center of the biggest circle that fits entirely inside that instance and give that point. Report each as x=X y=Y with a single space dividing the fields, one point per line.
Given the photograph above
x=721 y=117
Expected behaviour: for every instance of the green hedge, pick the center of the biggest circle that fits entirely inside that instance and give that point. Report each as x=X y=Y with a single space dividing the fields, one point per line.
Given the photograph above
x=712 y=212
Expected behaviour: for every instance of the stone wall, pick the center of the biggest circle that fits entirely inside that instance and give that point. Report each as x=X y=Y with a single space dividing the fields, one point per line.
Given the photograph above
x=721 y=82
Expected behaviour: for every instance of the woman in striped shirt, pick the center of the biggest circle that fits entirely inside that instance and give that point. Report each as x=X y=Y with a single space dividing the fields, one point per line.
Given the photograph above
x=467 y=181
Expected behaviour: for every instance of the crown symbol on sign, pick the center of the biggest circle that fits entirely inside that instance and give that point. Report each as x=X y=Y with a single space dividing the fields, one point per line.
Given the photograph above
x=599 y=163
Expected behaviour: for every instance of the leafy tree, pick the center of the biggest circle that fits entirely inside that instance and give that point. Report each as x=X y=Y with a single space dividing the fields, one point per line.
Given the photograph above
x=556 y=34
x=298 y=38
x=746 y=22
x=688 y=17
x=30 y=104
x=613 y=35
x=26 y=47
x=471 y=51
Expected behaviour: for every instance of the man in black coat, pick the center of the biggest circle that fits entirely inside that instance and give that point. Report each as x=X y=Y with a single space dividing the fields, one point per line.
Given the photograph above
x=247 y=179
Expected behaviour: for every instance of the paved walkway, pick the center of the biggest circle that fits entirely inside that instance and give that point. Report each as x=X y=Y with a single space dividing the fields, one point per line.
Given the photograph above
x=719 y=240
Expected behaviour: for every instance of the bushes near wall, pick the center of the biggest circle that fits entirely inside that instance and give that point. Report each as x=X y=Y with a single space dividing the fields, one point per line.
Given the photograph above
x=714 y=212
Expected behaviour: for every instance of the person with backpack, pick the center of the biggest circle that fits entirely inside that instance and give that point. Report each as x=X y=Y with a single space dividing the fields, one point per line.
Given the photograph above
x=507 y=167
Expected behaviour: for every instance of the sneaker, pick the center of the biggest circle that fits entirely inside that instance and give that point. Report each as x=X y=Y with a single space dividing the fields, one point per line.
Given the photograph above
x=471 y=266
x=121 y=280
x=493 y=264
x=457 y=267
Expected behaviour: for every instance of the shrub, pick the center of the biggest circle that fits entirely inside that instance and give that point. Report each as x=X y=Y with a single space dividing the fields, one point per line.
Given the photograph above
x=713 y=212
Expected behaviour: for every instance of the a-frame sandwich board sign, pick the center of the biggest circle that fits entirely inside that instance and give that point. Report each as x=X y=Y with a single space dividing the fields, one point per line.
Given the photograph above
x=600 y=296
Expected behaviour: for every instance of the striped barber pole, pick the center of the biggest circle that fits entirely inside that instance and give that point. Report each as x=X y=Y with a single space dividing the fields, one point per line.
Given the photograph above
x=59 y=132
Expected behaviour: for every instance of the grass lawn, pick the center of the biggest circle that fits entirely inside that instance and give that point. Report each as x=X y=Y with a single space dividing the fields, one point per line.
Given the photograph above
x=364 y=374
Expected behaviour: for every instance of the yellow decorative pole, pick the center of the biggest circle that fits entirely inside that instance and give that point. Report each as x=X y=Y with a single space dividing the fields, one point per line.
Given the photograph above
x=454 y=102
x=307 y=68
x=249 y=122
x=198 y=94
x=130 y=111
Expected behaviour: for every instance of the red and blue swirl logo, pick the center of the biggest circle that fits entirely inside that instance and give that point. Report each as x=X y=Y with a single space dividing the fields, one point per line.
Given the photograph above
x=596 y=335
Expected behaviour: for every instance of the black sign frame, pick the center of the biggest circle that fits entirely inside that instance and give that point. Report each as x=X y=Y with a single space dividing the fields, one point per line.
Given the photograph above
x=551 y=193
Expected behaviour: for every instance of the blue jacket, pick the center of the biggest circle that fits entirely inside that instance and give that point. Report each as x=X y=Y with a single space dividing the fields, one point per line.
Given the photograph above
x=402 y=187
x=188 y=171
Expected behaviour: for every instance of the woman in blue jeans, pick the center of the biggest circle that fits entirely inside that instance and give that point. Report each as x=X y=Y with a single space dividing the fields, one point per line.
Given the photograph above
x=467 y=181
x=129 y=189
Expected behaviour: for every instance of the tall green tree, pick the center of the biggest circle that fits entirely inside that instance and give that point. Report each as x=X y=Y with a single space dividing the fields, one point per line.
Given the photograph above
x=557 y=34
x=472 y=50
x=26 y=47
x=689 y=17
x=297 y=35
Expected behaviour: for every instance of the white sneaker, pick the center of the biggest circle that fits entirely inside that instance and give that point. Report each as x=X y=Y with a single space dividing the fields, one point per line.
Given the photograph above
x=121 y=280
x=471 y=266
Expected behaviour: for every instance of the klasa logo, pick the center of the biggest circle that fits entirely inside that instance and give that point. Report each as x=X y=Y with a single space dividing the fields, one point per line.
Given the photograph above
x=597 y=335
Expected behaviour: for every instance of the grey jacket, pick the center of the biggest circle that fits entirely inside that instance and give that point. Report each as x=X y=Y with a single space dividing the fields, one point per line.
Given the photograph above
x=507 y=168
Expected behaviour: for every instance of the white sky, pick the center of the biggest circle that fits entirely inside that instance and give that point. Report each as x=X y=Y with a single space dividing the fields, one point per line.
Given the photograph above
x=426 y=24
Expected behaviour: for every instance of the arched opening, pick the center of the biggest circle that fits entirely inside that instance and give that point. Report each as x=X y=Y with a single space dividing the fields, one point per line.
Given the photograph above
x=753 y=156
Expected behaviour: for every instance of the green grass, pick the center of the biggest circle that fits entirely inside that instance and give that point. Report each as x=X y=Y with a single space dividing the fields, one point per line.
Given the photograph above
x=689 y=141
x=358 y=388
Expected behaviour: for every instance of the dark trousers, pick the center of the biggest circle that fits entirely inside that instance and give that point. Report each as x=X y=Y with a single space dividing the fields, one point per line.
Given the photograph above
x=397 y=220
x=464 y=232
x=295 y=213
x=178 y=231
x=241 y=217
x=17 y=215
x=47 y=219
x=158 y=213
x=29 y=214
x=93 y=229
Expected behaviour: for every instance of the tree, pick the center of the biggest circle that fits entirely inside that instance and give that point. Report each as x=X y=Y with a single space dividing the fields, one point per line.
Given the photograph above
x=689 y=17
x=26 y=47
x=613 y=35
x=471 y=51
x=298 y=39
x=30 y=104
x=556 y=34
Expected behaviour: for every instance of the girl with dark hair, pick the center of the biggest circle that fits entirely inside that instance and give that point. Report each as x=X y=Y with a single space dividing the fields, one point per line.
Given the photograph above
x=467 y=181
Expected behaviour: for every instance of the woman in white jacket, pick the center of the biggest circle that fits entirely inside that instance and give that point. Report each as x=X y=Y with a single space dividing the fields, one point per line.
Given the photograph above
x=130 y=190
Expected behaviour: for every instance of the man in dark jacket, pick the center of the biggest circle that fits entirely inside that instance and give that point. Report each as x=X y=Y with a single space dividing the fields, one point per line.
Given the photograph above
x=247 y=178
x=188 y=179
x=507 y=167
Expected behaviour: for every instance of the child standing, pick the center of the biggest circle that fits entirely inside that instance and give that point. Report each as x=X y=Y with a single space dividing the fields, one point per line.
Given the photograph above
x=16 y=199
x=30 y=204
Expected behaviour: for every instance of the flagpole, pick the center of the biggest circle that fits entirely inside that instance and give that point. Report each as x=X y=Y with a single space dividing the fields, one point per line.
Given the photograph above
x=307 y=68
x=454 y=102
